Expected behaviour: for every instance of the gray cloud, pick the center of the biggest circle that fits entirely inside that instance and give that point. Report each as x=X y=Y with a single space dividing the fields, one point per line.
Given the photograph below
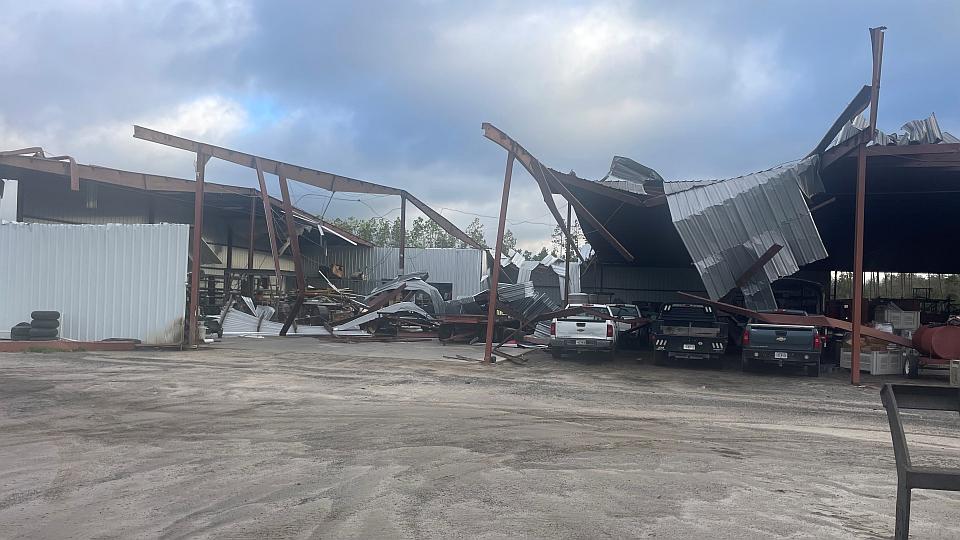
x=395 y=91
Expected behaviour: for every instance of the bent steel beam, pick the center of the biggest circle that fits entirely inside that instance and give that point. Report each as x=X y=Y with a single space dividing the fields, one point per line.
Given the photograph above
x=304 y=175
x=548 y=182
x=268 y=217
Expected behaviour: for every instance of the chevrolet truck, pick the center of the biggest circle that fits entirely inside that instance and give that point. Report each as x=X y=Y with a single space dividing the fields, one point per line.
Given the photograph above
x=584 y=332
x=782 y=345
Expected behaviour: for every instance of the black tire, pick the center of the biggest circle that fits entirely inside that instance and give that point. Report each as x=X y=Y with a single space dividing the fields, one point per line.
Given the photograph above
x=556 y=353
x=812 y=370
x=45 y=315
x=716 y=362
x=911 y=367
x=660 y=358
x=45 y=323
x=22 y=325
x=746 y=364
x=19 y=333
x=48 y=333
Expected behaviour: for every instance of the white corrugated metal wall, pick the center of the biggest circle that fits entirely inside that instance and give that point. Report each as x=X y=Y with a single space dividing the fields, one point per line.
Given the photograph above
x=462 y=268
x=106 y=280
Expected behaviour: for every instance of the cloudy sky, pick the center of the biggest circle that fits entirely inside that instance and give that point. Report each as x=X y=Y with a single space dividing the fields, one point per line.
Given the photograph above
x=395 y=92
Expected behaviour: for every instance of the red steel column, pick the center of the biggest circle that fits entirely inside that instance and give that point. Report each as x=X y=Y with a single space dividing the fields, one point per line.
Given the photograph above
x=876 y=39
x=193 y=337
x=403 y=231
x=566 y=260
x=268 y=217
x=297 y=260
x=495 y=268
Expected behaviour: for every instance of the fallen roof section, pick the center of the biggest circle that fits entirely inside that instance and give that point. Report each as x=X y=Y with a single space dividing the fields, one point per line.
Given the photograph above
x=728 y=225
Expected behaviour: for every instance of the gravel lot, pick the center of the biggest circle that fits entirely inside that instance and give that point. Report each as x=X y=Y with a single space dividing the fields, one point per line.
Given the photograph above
x=301 y=438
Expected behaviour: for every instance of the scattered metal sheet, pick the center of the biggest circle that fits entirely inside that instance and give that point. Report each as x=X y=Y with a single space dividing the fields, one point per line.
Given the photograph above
x=398 y=308
x=413 y=282
x=727 y=225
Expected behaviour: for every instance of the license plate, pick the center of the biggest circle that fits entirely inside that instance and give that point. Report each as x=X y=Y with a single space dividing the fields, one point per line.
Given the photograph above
x=581 y=342
x=780 y=355
x=689 y=347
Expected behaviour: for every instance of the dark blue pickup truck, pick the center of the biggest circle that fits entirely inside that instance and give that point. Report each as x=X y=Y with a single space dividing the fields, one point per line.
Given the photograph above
x=782 y=345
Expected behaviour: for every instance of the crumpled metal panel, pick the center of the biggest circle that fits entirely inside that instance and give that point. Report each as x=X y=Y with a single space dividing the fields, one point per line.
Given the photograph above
x=921 y=131
x=726 y=225
x=628 y=175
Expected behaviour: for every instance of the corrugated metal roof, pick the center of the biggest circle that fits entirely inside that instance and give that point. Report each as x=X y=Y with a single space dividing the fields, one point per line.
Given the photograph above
x=123 y=281
x=726 y=225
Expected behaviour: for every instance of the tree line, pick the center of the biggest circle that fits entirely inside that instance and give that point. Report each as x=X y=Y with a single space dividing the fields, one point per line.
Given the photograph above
x=426 y=233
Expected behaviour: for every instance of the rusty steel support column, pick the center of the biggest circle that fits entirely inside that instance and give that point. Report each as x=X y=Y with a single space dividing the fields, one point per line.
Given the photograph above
x=228 y=271
x=297 y=258
x=250 y=245
x=403 y=232
x=192 y=335
x=495 y=269
x=566 y=260
x=268 y=217
x=876 y=40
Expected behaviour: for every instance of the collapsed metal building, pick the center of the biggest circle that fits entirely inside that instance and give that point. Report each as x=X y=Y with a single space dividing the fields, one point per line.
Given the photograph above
x=709 y=237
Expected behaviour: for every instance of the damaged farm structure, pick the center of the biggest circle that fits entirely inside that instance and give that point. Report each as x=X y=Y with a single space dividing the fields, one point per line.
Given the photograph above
x=661 y=241
x=283 y=247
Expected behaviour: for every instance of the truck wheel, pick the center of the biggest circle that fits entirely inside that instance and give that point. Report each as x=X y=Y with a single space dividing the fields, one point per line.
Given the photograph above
x=659 y=358
x=556 y=353
x=716 y=362
x=746 y=364
x=911 y=367
x=813 y=370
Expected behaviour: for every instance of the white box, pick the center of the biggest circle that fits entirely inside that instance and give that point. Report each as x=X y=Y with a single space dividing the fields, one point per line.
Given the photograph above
x=876 y=362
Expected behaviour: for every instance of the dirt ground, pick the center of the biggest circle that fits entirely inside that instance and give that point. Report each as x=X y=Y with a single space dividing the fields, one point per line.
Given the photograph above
x=301 y=438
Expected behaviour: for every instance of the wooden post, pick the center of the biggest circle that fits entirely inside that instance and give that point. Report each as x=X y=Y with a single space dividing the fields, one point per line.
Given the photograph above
x=192 y=335
x=876 y=39
x=495 y=269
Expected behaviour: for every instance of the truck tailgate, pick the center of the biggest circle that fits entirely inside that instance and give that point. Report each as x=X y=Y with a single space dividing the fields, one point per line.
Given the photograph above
x=782 y=337
x=582 y=329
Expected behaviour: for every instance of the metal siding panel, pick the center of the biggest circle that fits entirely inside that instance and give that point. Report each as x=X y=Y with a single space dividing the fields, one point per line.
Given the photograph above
x=460 y=267
x=106 y=280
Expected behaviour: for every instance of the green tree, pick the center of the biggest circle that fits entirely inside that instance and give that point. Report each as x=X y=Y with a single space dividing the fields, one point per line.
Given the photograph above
x=509 y=241
x=475 y=231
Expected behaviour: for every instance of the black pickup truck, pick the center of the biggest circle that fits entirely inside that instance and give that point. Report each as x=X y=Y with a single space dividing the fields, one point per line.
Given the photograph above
x=688 y=331
x=782 y=345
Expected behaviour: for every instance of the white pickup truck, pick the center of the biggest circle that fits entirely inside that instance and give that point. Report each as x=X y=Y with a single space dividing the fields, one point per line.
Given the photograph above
x=584 y=332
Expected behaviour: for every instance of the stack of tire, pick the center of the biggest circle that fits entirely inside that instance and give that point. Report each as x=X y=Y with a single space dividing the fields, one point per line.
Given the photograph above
x=45 y=325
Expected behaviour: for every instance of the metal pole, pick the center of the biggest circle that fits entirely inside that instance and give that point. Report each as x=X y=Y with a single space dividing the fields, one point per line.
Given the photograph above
x=876 y=39
x=227 y=273
x=495 y=268
x=250 y=246
x=403 y=231
x=566 y=260
x=268 y=217
x=297 y=260
x=193 y=337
